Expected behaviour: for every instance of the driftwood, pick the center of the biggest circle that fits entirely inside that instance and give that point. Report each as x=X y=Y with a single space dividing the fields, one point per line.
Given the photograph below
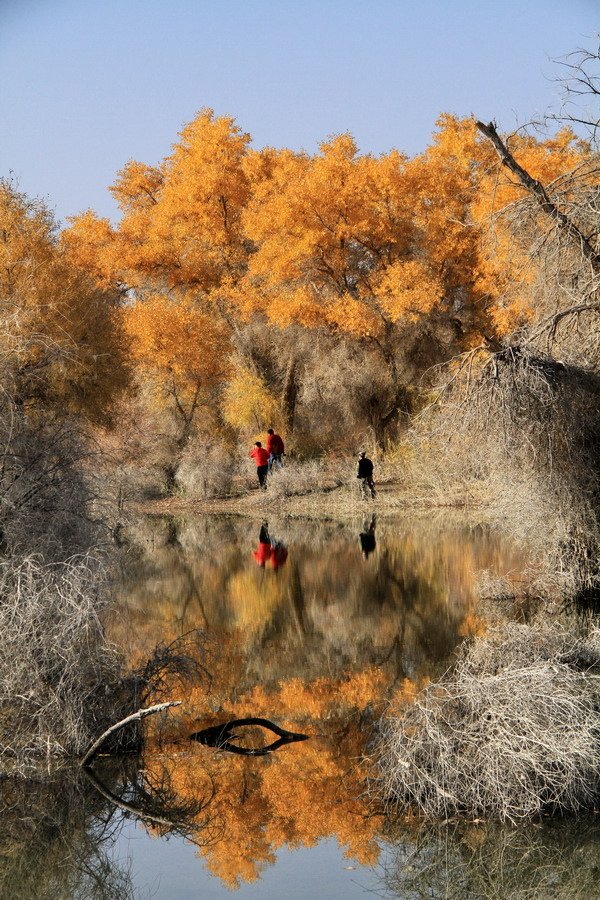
x=134 y=717
x=537 y=189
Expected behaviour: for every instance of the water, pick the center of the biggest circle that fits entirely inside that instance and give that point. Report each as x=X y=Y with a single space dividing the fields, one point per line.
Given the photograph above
x=319 y=627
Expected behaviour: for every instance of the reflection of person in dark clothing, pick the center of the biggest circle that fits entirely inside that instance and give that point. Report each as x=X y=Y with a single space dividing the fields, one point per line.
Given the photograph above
x=367 y=537
x=365 y=474
x=269 y=550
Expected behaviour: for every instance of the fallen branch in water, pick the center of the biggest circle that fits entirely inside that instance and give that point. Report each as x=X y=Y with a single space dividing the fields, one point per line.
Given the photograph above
x=134 y=717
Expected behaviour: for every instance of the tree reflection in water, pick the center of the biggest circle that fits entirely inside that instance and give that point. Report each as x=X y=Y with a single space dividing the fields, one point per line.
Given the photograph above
x=59 y=830
x=55 y=840
x=318 y=645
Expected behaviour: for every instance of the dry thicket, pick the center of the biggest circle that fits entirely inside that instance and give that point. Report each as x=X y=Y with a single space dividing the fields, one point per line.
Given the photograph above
x=526 y=435
x=511 y=731
x=56 y=668
x=517 y=421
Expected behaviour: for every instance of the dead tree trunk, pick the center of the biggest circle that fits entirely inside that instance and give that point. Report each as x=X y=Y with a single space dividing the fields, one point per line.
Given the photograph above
x=290 y=393
x=539 y=192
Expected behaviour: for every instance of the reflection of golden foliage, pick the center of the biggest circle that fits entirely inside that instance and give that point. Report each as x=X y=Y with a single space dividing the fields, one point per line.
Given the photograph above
x=254 y=596
x=407 y=692
x=274 y=651
x=472 y=626
x=294 y=798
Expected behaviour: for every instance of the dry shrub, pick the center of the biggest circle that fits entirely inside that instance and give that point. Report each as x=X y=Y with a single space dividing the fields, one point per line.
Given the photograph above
x=45 y=494
x=521 y=432
x=314 y=476
x=511 y=731
x=209 y=473
x=55 y=664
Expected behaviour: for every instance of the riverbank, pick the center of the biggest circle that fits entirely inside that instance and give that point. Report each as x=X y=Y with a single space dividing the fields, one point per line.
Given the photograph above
x=393 y=498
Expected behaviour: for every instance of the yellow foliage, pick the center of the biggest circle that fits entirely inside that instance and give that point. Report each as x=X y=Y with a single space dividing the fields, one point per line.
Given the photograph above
x=177 y=346
x=351 y=242
x=61 y=333
x=254 y=596
x=409 y=289
x=248 y=404
x=472 y=626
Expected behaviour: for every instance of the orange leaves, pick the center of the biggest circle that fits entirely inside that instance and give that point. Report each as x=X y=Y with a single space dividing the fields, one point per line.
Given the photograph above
x=137 y=186
x=60 y=331
x=181 y=220
x=341 y=240
x=508 y=268
x=92 y=245
x=472 y=626
x=175 y=340
x=409 y=289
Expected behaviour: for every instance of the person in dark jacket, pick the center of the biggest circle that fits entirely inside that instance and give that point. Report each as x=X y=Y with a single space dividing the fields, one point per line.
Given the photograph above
x=365 y=474
x=275 y=449
x=261 y=458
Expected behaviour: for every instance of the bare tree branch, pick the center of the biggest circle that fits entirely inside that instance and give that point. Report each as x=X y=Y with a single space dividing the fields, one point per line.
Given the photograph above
x=539 y=192
x=134 y=717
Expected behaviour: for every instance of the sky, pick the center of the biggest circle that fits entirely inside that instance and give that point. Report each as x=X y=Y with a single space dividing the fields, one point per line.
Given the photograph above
x=86 y=85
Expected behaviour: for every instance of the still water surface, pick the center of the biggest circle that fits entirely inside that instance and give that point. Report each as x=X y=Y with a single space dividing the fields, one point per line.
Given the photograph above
x=317 y=626
x=320 y=627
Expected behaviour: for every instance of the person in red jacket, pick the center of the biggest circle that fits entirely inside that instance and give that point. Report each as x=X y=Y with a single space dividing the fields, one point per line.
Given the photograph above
x=276 y=449
x=261 y=458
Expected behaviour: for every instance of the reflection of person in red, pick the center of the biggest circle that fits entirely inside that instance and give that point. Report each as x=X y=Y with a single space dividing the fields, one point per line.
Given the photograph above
x=264 y=551
x=269 y=550
x=279 y=555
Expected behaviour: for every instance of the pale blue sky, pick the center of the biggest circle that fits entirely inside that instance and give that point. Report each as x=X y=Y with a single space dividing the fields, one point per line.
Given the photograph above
x=87 y=84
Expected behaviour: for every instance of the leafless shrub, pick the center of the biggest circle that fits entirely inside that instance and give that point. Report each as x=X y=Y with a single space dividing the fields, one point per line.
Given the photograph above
x=207 y=471
x=57 y=672
x=579 y=79
x=512 y=730
x=313 y=476
x=520 y=432
x=45 y=494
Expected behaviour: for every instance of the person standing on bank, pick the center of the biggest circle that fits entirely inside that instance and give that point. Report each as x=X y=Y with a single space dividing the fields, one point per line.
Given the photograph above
x=275 y=449
x=261 y=458
x=365 y=474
